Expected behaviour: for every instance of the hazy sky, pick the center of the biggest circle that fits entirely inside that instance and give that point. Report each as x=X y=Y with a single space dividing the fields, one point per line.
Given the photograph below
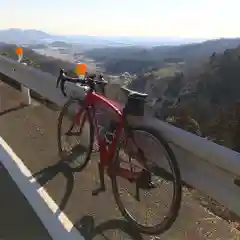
x=185 y=18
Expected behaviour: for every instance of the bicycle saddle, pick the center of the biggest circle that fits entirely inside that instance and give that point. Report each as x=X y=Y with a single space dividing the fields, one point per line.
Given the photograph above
x=134 y=94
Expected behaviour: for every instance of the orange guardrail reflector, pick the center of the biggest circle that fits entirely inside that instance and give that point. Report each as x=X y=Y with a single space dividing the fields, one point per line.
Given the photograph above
x=80 y=69
x=19 y=51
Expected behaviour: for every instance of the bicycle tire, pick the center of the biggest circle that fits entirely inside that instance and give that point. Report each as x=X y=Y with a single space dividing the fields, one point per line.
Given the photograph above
x=177 y=196
x=59 y=142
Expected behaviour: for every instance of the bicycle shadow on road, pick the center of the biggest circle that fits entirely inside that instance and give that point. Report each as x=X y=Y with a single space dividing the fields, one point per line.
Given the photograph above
x=6 y=111
x=50 y=172
x=88 y=230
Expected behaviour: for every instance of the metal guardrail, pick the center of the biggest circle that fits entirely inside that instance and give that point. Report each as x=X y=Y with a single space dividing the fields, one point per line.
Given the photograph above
x=204 y=165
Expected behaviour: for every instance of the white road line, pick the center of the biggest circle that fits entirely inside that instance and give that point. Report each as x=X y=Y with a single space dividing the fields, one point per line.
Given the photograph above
x=54 y=220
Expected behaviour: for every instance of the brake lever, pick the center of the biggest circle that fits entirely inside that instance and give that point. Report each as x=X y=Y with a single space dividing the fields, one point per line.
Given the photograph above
x=61 y=81
x=62 y=85
x=58 y=80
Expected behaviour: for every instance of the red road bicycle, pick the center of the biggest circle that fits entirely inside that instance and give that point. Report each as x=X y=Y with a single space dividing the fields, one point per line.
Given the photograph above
x=119 y=146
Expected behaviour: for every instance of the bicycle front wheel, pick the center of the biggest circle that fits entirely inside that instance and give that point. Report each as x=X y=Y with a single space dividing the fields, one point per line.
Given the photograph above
x=75 y=136
x=141 y=185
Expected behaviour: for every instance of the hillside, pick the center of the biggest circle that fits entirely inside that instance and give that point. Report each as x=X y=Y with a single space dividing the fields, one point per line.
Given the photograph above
x=209 y=95
x=136 y=59
x=44 y=63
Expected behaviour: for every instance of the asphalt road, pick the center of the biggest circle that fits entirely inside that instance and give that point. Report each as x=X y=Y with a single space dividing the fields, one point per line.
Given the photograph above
x=18 y=221
x=31 y=132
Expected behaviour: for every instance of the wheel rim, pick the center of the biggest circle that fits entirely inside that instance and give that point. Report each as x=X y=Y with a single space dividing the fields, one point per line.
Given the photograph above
x=129 y=208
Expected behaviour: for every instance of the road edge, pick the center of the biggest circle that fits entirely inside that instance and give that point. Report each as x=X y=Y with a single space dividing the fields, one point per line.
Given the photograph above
x=55 y=221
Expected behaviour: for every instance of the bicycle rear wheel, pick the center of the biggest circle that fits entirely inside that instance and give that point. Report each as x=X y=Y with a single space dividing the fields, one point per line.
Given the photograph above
x=75 y=136
x=144 y=180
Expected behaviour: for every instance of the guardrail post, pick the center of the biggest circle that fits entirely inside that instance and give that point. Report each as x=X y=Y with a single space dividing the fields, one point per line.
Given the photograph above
x=26 y=95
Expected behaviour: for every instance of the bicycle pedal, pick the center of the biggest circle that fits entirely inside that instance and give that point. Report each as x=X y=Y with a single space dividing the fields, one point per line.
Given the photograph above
x=146 y=185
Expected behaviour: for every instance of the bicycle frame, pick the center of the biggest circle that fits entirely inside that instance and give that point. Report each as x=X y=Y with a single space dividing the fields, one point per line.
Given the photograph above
x=106 y=151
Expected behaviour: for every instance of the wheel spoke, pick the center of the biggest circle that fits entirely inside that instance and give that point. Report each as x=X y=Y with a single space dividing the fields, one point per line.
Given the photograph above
x=152 y=184
x=71 y=142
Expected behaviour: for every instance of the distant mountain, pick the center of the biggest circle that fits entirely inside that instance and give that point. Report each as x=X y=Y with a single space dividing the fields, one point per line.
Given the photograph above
x=135 y=59
x=115 y=41
x=199 y=50
x=19 y=36
x=60 y=44
x=32 y=36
